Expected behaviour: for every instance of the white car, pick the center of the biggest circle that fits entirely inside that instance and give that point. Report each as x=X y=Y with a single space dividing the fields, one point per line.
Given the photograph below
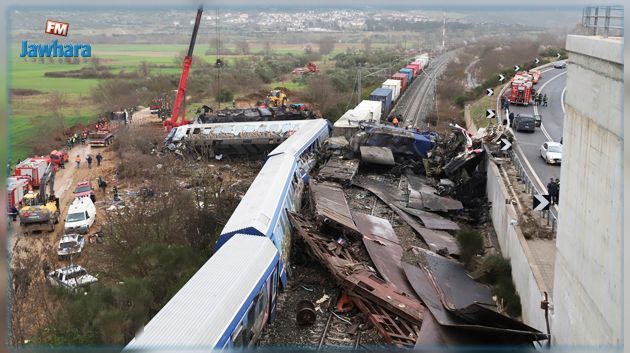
x=560 y=64
x=70 y=277
x=81 y=215
x=551 y=152
x=70 y=244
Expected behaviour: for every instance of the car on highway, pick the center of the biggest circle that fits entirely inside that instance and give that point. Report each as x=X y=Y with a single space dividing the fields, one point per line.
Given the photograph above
x=84 y=189
x=70 y=277
x=551 y=152
x=524 y=122
x=560 y=64
x=70 y=244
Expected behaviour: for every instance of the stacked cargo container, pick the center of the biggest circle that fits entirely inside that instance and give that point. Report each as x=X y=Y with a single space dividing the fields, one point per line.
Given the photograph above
x=381 y=100
x=384 y=95
x=366 y=111
x=395 y=86
x=403 y=80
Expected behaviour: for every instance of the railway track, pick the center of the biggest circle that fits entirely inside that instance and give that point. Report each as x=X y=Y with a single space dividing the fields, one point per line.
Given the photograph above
x=413 y=107
x=335 y=333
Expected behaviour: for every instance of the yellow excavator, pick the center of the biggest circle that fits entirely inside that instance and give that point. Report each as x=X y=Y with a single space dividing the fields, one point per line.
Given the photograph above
x=276 y=98
x=41 y=210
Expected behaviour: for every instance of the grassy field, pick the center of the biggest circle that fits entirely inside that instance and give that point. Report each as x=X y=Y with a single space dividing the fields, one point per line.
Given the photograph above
x=30 y=74
x=478 y=109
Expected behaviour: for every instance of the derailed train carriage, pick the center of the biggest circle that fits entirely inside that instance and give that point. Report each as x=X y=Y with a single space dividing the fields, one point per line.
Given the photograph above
x=228 y=302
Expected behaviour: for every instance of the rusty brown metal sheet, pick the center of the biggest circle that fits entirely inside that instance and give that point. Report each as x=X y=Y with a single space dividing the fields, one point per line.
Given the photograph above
x=455 y=330
x=338 y=260
x=439 y=240
x=339 y=170
x=394 y=329
x=367 y=285
x=432 y=220
x=375 y=227
x=458 y=290
x=331 y=207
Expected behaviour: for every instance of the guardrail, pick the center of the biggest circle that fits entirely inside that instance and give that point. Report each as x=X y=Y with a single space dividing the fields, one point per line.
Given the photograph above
x=548 y=216
x=602 y=20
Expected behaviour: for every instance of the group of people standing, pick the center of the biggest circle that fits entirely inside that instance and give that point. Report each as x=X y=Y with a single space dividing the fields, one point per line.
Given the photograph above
x=553 y=188
x=88 y=159
x=540 y=99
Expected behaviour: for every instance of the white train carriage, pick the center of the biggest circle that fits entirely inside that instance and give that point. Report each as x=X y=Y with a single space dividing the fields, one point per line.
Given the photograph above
x=225 y=305
x=277 y=188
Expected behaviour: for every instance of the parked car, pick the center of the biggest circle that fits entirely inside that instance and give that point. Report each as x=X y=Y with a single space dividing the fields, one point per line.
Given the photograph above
x=70 y=244
x=84 y=189
x=71 y=277
x=551 y=152
x=524 y=122
x=81 y=216
x=560 y=64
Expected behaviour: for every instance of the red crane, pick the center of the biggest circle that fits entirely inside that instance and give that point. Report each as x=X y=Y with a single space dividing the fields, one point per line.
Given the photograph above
x=183 y=80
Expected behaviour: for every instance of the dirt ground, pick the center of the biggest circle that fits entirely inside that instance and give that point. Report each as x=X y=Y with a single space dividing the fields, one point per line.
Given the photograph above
x=32 y=305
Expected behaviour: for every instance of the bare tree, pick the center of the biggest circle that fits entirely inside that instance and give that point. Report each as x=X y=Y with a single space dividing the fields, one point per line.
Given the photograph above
x=243 y=47
x=367 y=44
x=55 y=103
x=326 y=45
x=267 y=48
x=322 y=92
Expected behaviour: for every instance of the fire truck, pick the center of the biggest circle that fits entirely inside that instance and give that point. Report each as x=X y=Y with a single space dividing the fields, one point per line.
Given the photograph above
x=521 y=88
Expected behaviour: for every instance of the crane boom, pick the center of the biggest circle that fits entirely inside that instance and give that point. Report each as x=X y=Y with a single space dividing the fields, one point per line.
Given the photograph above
x=183 y=80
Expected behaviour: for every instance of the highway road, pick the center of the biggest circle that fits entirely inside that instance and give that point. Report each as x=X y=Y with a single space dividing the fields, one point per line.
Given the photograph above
x=553 y=83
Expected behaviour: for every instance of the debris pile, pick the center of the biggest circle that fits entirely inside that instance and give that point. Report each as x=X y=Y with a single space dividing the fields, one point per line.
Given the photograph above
x=262 y=113
x=411 y=295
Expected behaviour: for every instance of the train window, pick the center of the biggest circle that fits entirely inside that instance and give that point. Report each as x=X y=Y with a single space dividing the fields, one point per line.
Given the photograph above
x=237 y=337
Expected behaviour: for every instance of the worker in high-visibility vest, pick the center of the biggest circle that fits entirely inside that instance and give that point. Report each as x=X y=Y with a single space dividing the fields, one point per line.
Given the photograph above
x=78 y=160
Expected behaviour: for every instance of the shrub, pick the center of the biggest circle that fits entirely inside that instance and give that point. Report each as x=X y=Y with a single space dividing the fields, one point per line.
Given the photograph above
x=497 y=271
x=470 y=244
x=224 y=96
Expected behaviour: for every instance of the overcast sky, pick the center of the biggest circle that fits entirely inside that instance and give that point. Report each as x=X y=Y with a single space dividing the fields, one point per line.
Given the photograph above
x=414 y=3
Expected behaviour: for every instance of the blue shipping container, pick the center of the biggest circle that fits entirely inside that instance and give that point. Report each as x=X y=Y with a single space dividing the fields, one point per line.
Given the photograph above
x=409 y=73
x=384 y=95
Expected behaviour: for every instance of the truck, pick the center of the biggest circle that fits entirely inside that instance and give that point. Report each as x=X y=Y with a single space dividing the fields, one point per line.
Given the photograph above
x=17 y=187
x=100 y=138
x=41 y=210
x=520 y=88
x=34 y=168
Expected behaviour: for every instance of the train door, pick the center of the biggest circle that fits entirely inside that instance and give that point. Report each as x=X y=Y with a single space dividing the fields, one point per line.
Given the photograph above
x=273 y=293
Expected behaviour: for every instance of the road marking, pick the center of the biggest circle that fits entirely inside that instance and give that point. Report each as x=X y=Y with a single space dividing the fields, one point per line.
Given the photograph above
x=562 y=100
x=535 y=176
x=542 y=126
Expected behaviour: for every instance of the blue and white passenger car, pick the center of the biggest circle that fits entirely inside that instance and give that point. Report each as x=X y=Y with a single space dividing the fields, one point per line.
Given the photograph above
x=224 y=305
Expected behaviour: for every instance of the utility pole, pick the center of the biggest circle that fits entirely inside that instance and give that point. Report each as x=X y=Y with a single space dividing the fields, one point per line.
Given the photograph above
x=217 y=61
x=360 y=89
x=443 y=30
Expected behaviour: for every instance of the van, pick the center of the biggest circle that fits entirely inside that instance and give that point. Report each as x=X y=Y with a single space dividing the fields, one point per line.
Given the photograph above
x=524 y=122
x=81 y=216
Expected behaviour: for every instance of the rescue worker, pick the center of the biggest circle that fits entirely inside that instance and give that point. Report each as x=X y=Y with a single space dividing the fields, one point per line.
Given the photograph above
x=102 y=184
x=552 y=189
x=14 y=213
x=62 y=163
x=115 y=192
x=99 y=158
x=78 y=160
x=46 y=268
x=89 y=161
x=233 y=103
x=545 y=100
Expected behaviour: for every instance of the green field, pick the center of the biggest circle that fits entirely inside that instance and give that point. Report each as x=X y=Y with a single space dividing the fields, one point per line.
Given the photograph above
x=29 y=74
